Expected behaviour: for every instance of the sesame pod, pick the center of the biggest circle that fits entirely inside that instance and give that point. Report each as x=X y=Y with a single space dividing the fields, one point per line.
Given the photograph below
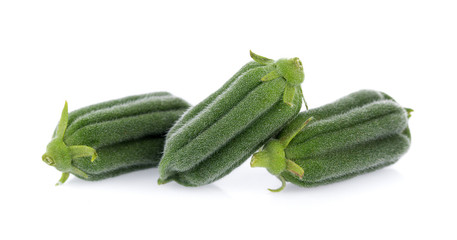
x=221 y=132
x=359 y=133
x=113 y=137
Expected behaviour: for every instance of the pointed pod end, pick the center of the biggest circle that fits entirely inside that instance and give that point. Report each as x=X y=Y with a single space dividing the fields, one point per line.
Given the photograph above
x=161 y=181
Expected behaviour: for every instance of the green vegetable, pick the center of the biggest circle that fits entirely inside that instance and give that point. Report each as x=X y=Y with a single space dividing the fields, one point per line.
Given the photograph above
x=113 y=137
x=359 y=133
x=220 y=133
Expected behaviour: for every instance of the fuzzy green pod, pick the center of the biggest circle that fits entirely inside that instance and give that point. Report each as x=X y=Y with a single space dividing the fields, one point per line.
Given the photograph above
x=113 y=137
x=221 y=132
x=359 y=133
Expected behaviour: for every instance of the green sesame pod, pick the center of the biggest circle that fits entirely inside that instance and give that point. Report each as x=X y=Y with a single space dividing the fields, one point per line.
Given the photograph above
x=113 y=137
x=221 y=132
x=359 y=133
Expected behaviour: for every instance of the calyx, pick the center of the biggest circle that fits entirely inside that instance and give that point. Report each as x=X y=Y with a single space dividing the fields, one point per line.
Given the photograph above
x=290 y=69
x=273 y=157
x=59 y=155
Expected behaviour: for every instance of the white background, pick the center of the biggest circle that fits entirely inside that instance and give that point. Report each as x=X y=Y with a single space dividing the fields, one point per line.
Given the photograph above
x=92 y=51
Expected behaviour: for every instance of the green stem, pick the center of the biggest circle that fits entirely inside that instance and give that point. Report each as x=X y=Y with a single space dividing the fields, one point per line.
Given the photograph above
x=303 y=97
x=63 y=178
x=283 y=185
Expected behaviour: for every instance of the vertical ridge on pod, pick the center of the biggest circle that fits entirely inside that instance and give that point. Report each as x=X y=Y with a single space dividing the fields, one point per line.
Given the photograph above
x=221 y=121
x=190 y=113
x=114 y=137
x=359 y=133
x=264 y=128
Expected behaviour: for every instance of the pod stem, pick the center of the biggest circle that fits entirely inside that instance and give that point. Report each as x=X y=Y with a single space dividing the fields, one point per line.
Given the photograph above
x=65 y=175
x=293 y=168
x=303 y=97
x=63 y=178
x=283 y=185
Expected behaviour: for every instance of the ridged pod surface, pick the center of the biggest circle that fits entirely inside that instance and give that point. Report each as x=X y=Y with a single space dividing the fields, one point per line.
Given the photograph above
x=359 y=133
x=221 y=132
x=113 y=137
